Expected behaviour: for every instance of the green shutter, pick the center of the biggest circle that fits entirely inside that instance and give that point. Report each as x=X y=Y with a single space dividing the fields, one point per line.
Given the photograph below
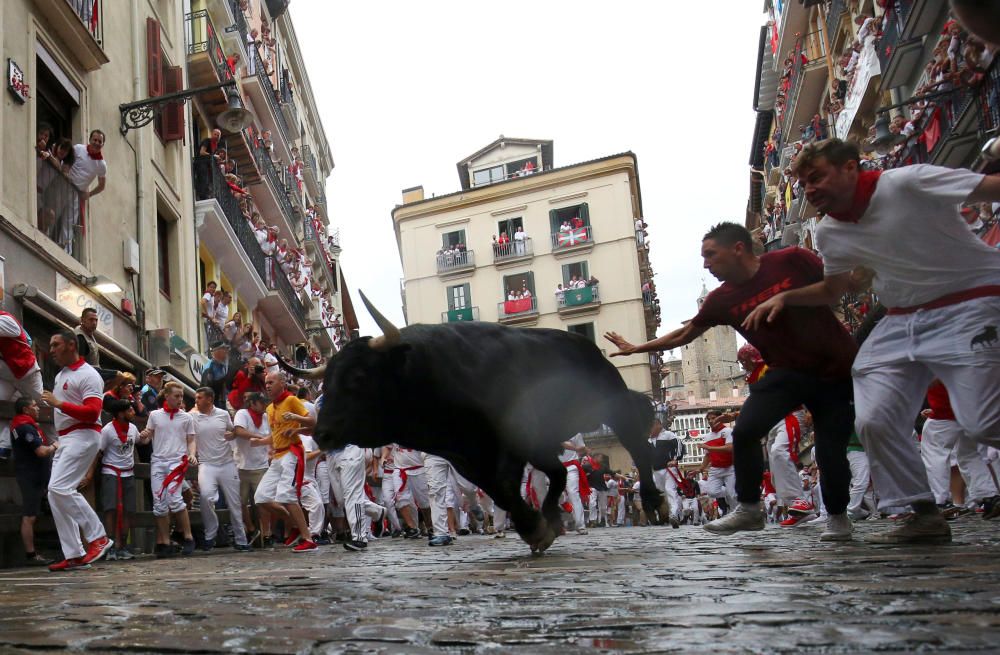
x=553 y=221
x=585 y=214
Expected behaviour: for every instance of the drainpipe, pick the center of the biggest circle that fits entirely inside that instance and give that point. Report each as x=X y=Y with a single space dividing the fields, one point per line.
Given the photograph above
x=140 y=175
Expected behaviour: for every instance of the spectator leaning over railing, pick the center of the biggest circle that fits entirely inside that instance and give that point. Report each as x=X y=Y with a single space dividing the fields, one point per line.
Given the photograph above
x=88 y=164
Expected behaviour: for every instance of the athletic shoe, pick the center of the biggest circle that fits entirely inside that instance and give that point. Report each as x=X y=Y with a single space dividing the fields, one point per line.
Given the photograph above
x=112 y=555
x=73 y=564
x=443 y=540
x=125 y=554
x=838 y=528
x=463 y=532
x=97 y=549
x=267 y=542
x=991 y=508
x=163 y=551
x=801 y=507
x=208 y=545
x=917 y=529
x=322 y=540
x=38 y=560
x=293 y=537
x=499 y=535
x=581 y=531
x=794 y=520
x=188 y=548
x=411 y=533
x=355 y=545
x=396 y=534
x=253 y=536
x=477 y=512
x=306 y=546
x=742 y=518
x=819 y=520
x=242 y=548
x=858 y=515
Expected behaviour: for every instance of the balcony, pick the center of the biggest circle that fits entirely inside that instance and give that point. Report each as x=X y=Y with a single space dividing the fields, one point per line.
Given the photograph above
x=574 y=302
x=59 y=210
x=310 y=172
x=223 y=227
x=806 y=85
x=572 y=241
x=314 y=240
x=451 y=263
x=79 y=24
x=288 y=105
x=835 y=11
x=518 y=312
x=464 y=314
x=900 y=50
x=513 y=252
x=276 y=178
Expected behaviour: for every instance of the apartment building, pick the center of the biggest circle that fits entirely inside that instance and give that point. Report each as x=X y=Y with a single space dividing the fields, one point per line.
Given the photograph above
x=528 y=244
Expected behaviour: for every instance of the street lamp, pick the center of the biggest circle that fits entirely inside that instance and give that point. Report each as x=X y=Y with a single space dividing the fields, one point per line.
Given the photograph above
x=102 y=284
x=141 y=113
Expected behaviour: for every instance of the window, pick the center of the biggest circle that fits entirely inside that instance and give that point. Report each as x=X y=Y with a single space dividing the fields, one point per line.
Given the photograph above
x=163 y=254
x=574 y=216
x=449 y=239
x=578 y=270
x=487 y=176
x=518 y=283
x=522 y=167
x=162 y=78
x=584 y=330
x=459 y=296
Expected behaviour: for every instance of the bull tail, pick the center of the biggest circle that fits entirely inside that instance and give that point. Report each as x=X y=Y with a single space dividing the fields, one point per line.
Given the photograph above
x=308 y=373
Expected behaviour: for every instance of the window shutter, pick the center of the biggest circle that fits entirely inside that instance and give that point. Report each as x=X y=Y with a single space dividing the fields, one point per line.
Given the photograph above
x=585 y=214
x=531 y=283
x=553 y=221
x=565 y=275
x=173 y=113
x=154 y=58
x=467 y=295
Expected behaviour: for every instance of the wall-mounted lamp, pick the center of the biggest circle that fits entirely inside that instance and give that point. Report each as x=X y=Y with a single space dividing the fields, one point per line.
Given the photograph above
x=102 y=283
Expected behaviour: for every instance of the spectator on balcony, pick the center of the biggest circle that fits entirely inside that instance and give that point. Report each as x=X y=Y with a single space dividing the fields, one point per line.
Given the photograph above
x=253 y=39
x=576 y=222
x=232 y=181
x=232 y=328
x=222 y=301
x=231 y=62
x=519 y=237
x=560 y=294
x=592 y=282
x=88 y=164
x=54 y=190
x=565 y=227
x=210 y=146
x=504 y=243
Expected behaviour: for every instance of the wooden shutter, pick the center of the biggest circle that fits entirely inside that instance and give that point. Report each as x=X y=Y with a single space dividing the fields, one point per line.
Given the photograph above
x=585 y=214
x=154 y=58
x=173 y=113
x=553 y=221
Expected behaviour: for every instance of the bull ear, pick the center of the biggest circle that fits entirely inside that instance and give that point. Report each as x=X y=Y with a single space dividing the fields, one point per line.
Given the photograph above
x=390 y=333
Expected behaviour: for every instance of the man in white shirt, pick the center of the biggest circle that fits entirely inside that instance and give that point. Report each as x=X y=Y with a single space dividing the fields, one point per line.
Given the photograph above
x=411 y=493
x=942 y=287
x=77 y=397
x=718 y=461
x=570 y=458
x=213 y=431
x=88 y=164
x=173 y=435
x=251 y=461
x=117 y=461
x=666 y=450
x=519 y=237
x=350 y=466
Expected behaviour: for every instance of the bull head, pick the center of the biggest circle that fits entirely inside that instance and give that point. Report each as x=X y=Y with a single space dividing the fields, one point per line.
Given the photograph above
x=390 y=333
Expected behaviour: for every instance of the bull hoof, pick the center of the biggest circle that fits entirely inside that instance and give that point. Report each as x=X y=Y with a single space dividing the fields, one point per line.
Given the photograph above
x=674 y=523
x=663 y=509
x=546 y=541
x=536 y=536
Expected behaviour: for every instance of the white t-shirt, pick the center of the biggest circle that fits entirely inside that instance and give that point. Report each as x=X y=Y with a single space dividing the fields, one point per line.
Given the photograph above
x=170 y=434
x=406 y=457
x=118 y=454
x=913 y=237
x=221 y=313
x=75 y=384
x=250 y=458
x=570 y=455
x=612 y=488
x=209 y=305
x=209 y=432
x=309 y=445
x=84 y=169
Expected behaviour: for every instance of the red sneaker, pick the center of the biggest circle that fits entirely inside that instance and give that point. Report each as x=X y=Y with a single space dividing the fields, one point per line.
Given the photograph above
x=802 y=507
x=796 y=519
x=97 y=549
x=293 y=537
x=306 y=546
x=69 y=565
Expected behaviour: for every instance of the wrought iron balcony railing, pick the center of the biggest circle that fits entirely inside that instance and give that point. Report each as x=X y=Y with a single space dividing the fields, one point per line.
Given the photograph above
x=512 y=250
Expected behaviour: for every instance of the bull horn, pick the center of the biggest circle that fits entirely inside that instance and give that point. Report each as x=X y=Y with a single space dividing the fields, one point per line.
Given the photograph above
x=317 y=373
x=390 y=333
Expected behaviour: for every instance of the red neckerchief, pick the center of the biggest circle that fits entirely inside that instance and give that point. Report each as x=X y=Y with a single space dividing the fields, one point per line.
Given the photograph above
x=258 y=417
x=94 y=154
x=757 y=373
x=717 y=427
x=280 y=399
x=77 y=364
x=214 y=144
x=170 y=412
x=863 y=192
x=24 y=419
x=121 y=429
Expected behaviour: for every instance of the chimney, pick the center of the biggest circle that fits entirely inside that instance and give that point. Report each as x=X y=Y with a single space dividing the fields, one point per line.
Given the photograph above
x=413 y=194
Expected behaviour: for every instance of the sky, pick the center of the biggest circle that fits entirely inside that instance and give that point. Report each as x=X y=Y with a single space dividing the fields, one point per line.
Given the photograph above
x=407 y=89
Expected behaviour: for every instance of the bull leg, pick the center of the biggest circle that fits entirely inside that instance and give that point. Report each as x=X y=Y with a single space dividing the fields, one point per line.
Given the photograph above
x=556 y=473
x=507 y=494
x=631 y=420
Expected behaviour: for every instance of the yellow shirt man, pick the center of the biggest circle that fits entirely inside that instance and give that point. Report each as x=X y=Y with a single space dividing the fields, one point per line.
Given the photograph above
x=284 y=432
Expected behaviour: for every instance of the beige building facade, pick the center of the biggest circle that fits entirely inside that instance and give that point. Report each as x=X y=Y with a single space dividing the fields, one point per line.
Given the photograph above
x=498 y=250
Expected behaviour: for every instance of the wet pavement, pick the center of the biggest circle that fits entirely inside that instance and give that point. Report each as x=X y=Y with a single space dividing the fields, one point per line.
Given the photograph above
x=614 y=590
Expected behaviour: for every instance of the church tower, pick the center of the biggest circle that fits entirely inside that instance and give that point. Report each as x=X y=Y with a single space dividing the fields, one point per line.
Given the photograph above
x=709 y=362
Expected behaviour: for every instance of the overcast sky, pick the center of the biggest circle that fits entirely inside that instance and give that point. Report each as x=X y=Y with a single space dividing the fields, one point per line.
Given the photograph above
x=406 y=89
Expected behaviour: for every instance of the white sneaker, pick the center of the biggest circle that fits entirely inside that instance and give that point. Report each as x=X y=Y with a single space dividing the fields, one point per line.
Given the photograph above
x=581 y=531
x=838 y=528
x=819 y=520
x=743 y=518
x=930 y=528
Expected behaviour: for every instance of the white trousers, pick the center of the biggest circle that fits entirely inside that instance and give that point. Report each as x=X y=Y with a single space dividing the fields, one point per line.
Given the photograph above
x=860 y=479
x=721 y=483
x=693 y=507
x=349 y=467
x=312 y=503
x=784 y=475
x=171 y=499
x=620 y=510
x=412 y=490
x=211 y=479
x=573 y=492
x=323 y=480
x=939 y=440
x=70 y=510
x=438 y=472
x=388 y=492
x=668 y=486
x=12 y=388
x=892 y=372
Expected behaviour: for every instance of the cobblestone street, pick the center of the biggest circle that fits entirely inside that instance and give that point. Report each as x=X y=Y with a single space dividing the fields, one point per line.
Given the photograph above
x=627 y=590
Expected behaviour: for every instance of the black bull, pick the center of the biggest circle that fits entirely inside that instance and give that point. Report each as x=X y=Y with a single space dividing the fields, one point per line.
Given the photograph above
x=489 y=399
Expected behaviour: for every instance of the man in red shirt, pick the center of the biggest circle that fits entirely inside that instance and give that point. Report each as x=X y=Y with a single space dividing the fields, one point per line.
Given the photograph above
x=809 y=353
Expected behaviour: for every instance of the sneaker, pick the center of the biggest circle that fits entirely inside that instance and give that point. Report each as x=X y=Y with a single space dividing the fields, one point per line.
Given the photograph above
x=443 y=540
x=306 y=546
x=499 y=535
x=465 y=532
x=242 y=548
x=801 y=507
x=991 y=508
x=838 y=528
x=163 y=551
x=97 y=549
x=858 y=515
x=396 y=534
x=267 y=542
x=411 y=533
x=253 y=536
x=742 y=518
x=208 y=545
x=111 y=556
x=124 y=554
x=188 y=548
x=355 y=545
x=38 y=560
x=293 y=537
x=819 y=520
x=72 y=564
x=322 y=540
x=917 y=529
x=794 y=520
x=477 y=512
x=581 y=531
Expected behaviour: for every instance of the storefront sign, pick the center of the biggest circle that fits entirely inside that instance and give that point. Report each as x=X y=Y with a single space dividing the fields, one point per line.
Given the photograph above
x=15 y=82
x=75 y=299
